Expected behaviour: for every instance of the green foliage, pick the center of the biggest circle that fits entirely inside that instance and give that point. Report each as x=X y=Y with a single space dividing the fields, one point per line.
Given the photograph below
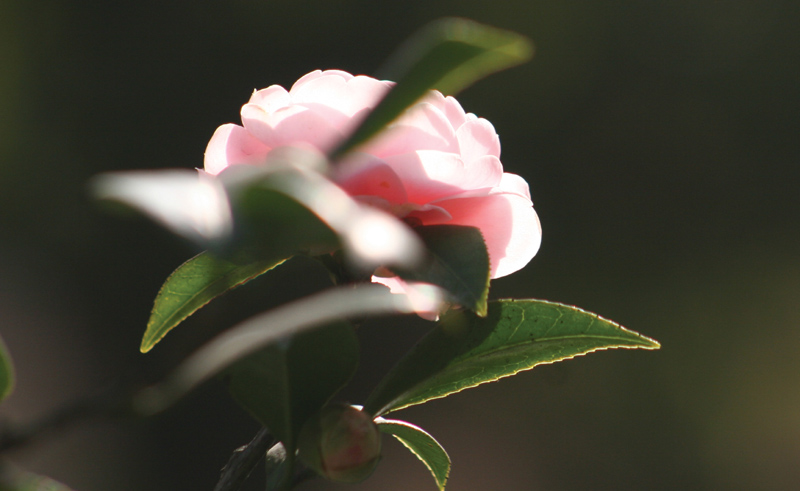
x=448 y=55
x=287 y=382
x=458 y=262
x=6 y=371
x=421 y=444
x=263 y=330
x=282 y=207
x=195 y=283
x=464 y=350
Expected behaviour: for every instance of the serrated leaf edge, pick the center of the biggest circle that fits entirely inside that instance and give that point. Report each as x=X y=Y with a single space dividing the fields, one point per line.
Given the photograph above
x=653 y=345
x=441 y=485
x=147 y=346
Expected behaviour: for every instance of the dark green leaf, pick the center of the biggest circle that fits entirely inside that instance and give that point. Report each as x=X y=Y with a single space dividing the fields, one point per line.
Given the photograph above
x=6 y=371
x=14 y=479
x=458 y=262
x=464 y=350
x=421 y=444
x=267 y=328
x=195 y=283
x=287 y=382
x=448 y=55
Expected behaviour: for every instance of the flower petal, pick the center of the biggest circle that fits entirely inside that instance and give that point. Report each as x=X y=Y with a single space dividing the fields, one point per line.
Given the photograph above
x=454 y=112
x=292 y=124
x=423 y=127
x=319 y=73
x=231 y=144
x=477 y=138
x=271 y=99
x=512 y=183
x=364 y=175
x=509 y=226
x=333 y=92
x=430 y=175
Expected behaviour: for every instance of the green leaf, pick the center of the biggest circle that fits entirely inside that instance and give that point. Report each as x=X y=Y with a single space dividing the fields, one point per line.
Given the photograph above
x=281 y=207
x=421 y=444
x=6 y=371
x=448 y=55
x=190 y=204
x=287 y=382
x=195 y=283
x=267 y=328
x=464 y=350
x=458 y=262
x=13 y=478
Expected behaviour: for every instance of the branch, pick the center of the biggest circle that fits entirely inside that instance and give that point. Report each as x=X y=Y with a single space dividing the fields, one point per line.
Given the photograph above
x=243 y=460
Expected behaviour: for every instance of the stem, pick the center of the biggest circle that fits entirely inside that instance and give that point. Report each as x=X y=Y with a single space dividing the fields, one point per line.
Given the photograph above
x=243 y=460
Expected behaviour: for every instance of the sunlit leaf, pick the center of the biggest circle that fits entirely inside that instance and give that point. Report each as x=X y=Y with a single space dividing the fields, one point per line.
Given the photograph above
x=287 y=382
x=464 y=350
x=264 y=329
x=190 y=204
x=448 y=55
x=195 y=283
x=458 y=262
x=421 y=444
x=6 y=371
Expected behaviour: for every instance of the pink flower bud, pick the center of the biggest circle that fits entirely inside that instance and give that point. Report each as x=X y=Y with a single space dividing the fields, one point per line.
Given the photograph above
x=341 y=443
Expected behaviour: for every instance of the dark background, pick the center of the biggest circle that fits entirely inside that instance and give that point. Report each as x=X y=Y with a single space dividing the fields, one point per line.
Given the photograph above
x=660 y=143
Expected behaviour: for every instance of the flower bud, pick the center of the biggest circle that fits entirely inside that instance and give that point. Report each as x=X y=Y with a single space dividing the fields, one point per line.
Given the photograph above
x=341 y=443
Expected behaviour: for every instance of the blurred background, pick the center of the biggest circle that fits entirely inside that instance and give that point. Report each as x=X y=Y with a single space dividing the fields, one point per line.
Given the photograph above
x=660 y=143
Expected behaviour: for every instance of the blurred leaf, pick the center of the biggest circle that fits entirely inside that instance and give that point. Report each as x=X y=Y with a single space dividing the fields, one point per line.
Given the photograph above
x=190 y=204
x=287 y=382
x=458 y=262
x=277 y=209
x=195 y=283
x=448 y=55
x=281 y=207
x=14 y=479
x=264 y=329
x=464 y=350
x=6 y=371
x=421 y=444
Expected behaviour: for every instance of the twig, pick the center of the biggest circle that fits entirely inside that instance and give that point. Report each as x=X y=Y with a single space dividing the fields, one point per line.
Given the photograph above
x=243 y=460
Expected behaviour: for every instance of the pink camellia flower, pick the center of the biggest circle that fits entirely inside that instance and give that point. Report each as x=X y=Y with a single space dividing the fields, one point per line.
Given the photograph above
x=434 y=165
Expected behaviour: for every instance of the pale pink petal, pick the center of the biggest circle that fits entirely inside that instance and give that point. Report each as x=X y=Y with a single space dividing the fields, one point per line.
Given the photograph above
x=477 y=138
x=293 y=124
x=436 y=99
x=363 y=175
x=319 y=73
x=509 y=226
x=231 y=144
x=512 y=183
x=430 y=175
x=423 y=127
x=271 y=99
x=333 y=92
x=454 y=112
